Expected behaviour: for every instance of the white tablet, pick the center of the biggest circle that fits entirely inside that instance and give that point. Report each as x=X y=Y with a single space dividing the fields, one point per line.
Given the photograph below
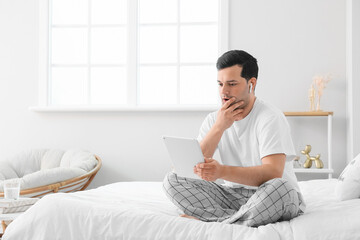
x=184 y=153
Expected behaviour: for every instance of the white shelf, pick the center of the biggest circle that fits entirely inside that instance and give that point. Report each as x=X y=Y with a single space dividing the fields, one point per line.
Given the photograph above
x=313 y=170
x=308 y=114
x=329 y=116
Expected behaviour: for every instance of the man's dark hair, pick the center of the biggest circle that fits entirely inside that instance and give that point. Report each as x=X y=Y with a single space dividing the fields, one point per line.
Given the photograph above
x=243 y=59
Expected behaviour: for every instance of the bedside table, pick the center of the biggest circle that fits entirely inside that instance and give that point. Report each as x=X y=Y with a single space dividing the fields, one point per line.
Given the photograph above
x=11 y=209
x=7 y=218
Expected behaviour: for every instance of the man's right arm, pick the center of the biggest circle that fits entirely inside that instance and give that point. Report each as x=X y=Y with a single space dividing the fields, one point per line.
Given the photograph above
x=225 y=118
x=211 y=140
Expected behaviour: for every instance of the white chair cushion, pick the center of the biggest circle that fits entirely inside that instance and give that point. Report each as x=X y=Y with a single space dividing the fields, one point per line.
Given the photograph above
x=78 y=159
x=50 y=176
x=47 y=176
x=51 y=158
x=27 y=162
x=6 y=171
x=42 y=167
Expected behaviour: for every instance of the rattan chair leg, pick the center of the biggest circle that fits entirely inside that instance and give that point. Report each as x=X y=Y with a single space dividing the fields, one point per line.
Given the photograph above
x=3 y=224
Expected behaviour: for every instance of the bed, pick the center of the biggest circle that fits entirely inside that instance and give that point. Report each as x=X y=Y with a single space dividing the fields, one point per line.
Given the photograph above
x=140 y=210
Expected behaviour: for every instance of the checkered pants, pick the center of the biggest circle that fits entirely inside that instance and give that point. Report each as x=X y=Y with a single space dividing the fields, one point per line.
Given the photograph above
x=275 y=200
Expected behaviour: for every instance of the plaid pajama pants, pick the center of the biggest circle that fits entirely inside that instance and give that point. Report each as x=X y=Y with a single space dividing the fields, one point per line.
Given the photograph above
x=275 y=200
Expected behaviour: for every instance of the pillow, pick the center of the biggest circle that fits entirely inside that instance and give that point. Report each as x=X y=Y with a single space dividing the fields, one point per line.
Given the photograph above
x=6 y=171
x=78 y=159
x=348 y=185
x=51 y=159
x=27 y=162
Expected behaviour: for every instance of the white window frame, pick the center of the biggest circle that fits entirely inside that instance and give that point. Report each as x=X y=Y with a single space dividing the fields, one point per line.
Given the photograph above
x=44 y=88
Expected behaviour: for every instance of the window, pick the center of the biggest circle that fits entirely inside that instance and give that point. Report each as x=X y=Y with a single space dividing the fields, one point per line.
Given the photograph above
x=145 y=53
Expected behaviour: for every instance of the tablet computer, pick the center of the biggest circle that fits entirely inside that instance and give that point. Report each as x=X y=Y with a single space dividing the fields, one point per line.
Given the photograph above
x=184 y=153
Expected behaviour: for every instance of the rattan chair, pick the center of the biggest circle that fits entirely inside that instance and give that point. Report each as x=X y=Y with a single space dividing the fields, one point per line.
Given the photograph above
x=71 y=185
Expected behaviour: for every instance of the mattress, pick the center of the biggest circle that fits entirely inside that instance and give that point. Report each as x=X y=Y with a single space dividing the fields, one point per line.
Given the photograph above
x=140 y=210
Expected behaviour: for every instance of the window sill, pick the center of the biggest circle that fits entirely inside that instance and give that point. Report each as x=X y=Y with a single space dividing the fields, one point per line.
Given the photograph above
x=197 y=108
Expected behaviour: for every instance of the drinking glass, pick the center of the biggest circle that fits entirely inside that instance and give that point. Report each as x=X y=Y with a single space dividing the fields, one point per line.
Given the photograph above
x=12 y=188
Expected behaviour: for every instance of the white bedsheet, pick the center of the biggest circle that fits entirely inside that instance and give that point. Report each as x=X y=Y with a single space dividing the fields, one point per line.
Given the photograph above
x=140 y=210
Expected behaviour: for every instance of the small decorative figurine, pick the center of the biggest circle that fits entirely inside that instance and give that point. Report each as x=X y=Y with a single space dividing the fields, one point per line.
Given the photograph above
x=309 y=159
x=296 y=162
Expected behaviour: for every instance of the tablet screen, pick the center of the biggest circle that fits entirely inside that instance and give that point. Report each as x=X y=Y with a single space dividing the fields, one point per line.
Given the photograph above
x=184 y=153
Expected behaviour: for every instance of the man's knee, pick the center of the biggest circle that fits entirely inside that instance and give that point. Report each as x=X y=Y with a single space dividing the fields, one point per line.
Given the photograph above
x=276 y=181
x=279 y=183
x=284 y=188
x=172 y=182
x=287 y=195
x=169 y=181
x=170 y=176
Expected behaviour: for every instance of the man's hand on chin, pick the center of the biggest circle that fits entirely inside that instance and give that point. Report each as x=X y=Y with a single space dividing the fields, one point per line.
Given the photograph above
x=229 y=113
x=210 y=170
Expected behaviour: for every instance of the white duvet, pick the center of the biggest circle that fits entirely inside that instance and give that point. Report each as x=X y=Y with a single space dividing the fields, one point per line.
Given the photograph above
x=140 y=210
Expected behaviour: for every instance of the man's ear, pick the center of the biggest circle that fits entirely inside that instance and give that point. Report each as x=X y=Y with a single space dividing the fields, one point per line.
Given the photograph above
x=252 y=82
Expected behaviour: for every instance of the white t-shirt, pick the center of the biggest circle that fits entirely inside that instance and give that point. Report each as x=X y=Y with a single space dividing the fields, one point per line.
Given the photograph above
x=264 y=131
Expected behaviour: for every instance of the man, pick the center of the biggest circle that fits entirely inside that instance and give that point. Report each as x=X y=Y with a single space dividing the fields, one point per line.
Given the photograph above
x=255 y=146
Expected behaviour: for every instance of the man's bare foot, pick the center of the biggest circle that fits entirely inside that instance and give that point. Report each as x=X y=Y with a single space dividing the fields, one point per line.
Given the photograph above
x=187 y=216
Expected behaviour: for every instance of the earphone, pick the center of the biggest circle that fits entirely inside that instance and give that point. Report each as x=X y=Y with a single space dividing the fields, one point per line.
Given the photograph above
x=250 y=88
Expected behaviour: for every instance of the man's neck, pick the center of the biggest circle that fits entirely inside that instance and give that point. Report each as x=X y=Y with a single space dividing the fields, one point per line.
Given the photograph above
x=249 y=107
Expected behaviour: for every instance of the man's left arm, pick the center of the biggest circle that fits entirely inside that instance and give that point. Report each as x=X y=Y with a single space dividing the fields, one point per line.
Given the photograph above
x=272 y=167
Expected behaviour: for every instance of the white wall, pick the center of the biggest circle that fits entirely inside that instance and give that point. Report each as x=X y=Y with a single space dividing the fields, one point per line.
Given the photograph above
x=293 y=40
x=353 y=76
